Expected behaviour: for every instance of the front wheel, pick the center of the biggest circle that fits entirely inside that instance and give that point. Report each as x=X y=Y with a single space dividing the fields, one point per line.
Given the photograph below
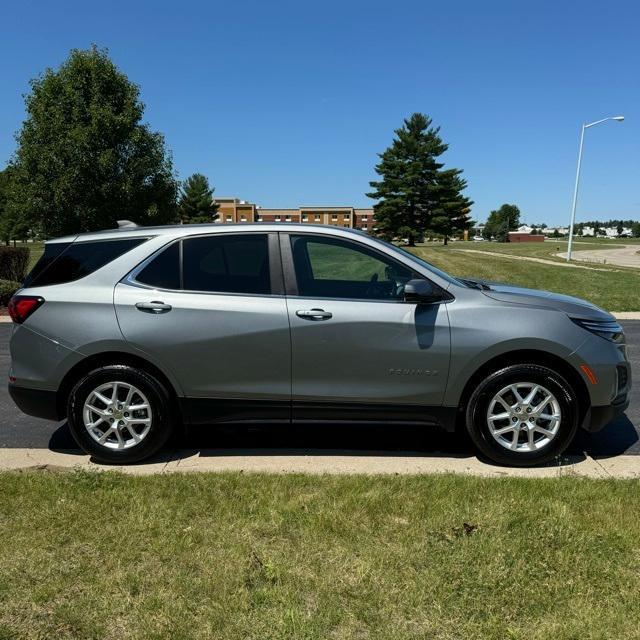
x=119 y=414
x=522 y=415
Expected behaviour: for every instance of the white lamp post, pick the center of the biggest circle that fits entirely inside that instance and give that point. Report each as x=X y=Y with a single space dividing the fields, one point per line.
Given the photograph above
x=575 y=190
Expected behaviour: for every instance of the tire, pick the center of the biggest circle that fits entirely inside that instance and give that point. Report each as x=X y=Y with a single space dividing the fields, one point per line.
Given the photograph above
x=494 y=397
x=142 y=431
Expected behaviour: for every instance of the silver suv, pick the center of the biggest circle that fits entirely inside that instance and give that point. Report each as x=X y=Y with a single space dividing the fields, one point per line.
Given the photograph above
x=132 y=332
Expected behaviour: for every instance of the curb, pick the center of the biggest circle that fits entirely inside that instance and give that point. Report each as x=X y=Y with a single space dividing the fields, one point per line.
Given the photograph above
x=221 y=460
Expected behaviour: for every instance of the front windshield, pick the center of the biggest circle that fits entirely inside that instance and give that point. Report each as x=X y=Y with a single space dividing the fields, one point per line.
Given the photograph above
x=423 y=263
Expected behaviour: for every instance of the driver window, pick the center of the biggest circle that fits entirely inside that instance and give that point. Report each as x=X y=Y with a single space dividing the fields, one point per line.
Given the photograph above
x=333 y=268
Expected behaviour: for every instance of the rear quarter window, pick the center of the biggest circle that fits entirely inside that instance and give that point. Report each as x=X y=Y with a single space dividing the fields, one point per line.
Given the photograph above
x=66 y=262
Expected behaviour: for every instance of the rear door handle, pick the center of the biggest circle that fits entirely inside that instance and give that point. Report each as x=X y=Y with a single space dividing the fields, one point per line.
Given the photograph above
x=314 y=314
x=153 y=307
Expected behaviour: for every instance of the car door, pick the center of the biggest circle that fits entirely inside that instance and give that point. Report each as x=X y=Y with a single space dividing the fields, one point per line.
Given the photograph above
x=210 y=309
x=359 y=350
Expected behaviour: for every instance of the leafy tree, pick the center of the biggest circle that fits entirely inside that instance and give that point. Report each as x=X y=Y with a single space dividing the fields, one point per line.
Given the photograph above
x=413 y=189
x=12 y=226
x=84 y=157
x=635 y=229
x=501 y=221
x=451 y=214
x=619 y=229
x=196 y=200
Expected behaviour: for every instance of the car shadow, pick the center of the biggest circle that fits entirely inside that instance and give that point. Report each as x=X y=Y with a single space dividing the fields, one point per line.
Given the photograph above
x=358 y=440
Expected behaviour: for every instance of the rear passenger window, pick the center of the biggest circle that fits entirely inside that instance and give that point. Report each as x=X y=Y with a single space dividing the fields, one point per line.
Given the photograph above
x=163 y=272
x=76 y=260
x=227 y=263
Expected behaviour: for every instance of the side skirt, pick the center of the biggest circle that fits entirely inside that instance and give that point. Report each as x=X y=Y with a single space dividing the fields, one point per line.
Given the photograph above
x=204 y=411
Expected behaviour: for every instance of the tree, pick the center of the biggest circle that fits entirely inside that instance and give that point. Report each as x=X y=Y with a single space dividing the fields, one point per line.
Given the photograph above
x=84 y=157
x=501 y=221
x=413 y=190
x=196 y=200
x=451 y=213
x=635 y=229
x=619 y=229
x=12 y=226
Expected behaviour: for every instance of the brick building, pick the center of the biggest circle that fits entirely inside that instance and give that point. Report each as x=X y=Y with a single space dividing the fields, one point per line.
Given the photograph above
x=234 y=210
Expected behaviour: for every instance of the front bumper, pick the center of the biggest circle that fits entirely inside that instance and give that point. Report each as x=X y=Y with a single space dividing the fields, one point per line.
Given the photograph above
x=36 y=402
x=598 y=417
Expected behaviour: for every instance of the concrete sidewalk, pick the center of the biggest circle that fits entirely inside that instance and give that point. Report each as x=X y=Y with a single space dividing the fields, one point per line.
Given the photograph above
x=217 y=460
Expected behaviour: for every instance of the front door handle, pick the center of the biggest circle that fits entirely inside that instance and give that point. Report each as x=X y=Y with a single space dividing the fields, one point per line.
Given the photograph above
x=153 y=307
x=314 y=314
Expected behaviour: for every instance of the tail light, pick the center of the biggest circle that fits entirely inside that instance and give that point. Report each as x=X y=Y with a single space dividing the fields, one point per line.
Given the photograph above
x=21 y=307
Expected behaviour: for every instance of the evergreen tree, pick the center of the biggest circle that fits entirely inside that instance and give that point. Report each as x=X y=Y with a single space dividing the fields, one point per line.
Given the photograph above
x=196 y=200
x=84 y=157
x=413 y=189
x=451 y=214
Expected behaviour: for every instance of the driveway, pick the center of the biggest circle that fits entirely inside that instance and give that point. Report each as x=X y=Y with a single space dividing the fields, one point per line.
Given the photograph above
x=392 y=446
x=626 y=256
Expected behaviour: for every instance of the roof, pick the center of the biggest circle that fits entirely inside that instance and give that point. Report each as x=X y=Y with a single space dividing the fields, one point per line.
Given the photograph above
x=179 y=230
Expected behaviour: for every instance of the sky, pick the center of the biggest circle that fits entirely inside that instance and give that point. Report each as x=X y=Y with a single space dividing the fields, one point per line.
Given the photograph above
x=289 y=103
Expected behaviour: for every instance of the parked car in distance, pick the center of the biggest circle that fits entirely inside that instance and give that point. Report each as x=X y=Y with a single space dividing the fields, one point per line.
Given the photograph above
x=133 y=332
x=478 y=239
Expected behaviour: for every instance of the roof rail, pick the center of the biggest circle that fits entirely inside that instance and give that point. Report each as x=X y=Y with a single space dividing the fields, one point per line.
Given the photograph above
x=126 y=224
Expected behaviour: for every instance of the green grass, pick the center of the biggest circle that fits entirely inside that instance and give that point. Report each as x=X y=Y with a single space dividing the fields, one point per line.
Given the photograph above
x=613 y=288
x=256 y=556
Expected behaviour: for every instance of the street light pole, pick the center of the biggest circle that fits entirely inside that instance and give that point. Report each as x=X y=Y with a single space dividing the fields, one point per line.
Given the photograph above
x=575 y=190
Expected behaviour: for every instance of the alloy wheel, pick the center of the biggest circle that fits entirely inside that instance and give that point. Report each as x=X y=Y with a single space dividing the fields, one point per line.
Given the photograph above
x=117 y=415
x=524 y=417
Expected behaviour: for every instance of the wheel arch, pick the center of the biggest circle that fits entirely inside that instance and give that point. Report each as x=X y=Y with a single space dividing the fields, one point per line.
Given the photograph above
x=104 y=359
x=529 y=356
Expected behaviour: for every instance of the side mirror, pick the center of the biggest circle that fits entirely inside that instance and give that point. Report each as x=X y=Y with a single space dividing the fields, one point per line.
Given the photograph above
x=421 y=291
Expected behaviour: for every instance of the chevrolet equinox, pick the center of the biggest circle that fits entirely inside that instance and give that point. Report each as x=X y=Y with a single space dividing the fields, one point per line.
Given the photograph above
x=131 y=332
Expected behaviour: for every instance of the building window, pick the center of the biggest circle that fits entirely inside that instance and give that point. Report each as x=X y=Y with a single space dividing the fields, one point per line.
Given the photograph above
x=334 y=217
x=277 y=218
x=317 y=218
x=229 y=218
x=305 y=218
x=288 y=219
x=243 y=218
x=346 y=226
x=346 y=216
x=259 y=218
x=364 y=218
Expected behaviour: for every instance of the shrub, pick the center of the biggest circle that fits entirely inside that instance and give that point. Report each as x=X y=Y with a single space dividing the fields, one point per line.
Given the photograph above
x=13 y=263
x=7 y=289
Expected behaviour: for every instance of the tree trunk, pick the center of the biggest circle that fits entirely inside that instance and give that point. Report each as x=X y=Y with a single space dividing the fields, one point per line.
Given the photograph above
x=446 y=240
x=412 y=242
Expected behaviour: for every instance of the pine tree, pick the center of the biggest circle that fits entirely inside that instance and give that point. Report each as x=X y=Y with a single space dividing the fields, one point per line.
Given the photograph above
x=414 y=189
x=451 y=214
x=196 y=203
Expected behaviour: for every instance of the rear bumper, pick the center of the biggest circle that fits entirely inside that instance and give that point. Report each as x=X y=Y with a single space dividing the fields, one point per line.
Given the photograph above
x=36 y=402
x=598 y=417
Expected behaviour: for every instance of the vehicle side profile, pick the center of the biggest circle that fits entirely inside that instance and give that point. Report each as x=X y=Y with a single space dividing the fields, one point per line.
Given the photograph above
x=131 y=332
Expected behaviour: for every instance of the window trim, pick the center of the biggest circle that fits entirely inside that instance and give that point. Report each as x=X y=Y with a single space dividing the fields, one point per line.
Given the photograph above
x=276 y=277
x=289 y=272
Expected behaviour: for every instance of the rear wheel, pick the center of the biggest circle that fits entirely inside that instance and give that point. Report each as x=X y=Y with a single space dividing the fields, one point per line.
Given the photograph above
x=522 y=415
x=119 y=414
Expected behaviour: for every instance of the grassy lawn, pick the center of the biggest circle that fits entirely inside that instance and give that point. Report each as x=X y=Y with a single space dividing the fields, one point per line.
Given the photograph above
x=293 y=556
x=613 y=288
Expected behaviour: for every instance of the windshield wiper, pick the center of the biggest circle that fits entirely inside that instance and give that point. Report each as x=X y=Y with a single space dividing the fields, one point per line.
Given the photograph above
x=475 y=284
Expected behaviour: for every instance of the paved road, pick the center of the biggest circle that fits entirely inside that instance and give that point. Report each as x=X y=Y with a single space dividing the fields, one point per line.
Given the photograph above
x=621 y=436
x=626 y=256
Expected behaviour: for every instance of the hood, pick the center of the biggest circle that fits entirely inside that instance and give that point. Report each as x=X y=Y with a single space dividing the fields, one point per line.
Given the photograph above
x=575 y=307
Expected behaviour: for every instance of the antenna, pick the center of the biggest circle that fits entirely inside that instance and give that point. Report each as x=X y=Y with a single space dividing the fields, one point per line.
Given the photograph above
x=126 y=224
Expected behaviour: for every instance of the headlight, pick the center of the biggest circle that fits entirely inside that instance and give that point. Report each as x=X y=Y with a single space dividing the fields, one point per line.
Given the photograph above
x=608 y=329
